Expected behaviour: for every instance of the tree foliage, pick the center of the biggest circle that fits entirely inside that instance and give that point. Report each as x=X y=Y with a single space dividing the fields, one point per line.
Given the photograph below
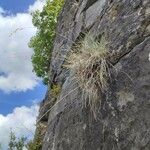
x=16 y=143
x=23 y=143
x=36 y=143
x=42 y=43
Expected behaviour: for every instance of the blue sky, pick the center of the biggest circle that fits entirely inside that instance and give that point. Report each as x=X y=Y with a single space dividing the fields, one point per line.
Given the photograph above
x=8 y=101
x=16 y=99
x=15 y=6
x=20 y=89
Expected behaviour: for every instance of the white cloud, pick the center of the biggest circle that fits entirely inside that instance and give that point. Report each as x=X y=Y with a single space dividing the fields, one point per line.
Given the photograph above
x=22 y=122
x=15 y=56
x=37 y=5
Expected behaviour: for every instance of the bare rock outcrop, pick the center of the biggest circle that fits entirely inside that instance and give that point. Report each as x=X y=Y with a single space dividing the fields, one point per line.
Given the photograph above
x=123 y=121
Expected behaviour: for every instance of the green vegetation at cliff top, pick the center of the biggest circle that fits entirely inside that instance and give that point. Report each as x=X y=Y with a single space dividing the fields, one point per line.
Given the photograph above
x=42 y=43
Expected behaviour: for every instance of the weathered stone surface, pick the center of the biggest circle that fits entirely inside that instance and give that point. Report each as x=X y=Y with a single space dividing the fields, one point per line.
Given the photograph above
x=123 y=122
x=93 y=12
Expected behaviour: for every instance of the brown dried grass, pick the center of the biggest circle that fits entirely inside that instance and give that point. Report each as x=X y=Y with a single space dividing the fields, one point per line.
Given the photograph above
x=89 y=63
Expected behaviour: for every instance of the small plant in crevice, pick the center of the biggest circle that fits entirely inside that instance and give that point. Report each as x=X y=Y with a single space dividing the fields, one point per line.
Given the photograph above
x=55 y=91
x=89 y=63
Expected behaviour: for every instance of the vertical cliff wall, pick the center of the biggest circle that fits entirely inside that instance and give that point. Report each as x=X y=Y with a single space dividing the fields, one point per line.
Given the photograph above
x=123 y=121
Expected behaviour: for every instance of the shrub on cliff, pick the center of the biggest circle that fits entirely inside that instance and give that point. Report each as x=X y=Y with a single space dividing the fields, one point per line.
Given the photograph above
x=36 y=143
x=42 y=42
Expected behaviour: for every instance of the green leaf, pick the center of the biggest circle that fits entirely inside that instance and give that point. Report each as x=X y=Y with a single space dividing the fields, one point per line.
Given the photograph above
x=42 y=42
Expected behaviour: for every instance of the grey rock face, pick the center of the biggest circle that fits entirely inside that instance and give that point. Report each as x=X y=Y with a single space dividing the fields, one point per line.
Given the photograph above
x=123 y=121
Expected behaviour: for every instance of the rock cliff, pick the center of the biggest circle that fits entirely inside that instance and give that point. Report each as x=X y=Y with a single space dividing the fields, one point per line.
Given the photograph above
x=123 y=121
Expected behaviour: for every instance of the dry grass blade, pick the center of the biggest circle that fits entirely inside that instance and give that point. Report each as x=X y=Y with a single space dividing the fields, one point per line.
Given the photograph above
x=89 y=63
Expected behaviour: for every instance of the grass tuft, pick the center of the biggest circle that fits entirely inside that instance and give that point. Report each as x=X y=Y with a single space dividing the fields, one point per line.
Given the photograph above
x=89 y=63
